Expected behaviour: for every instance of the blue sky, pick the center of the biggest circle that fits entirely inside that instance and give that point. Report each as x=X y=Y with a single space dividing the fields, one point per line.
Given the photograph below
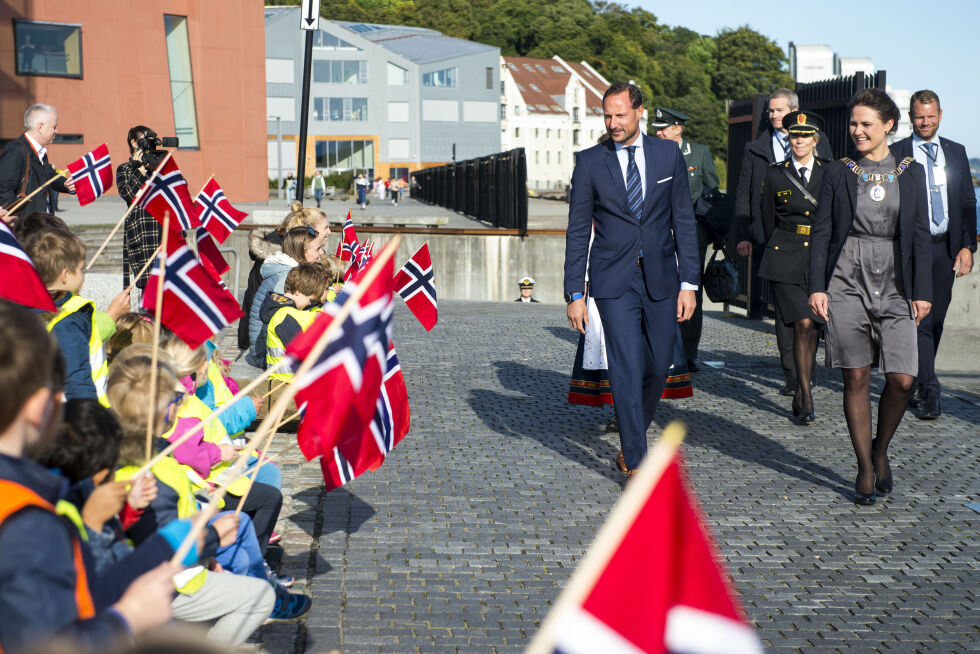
x=884 y=31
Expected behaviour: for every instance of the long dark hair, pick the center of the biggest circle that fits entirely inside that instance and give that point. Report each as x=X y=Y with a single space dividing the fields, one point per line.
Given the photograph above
x=878 y=100
x=134 y=134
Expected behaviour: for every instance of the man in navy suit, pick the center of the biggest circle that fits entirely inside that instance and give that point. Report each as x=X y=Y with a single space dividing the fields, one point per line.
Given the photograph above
x=643 y=264
x=952 y=222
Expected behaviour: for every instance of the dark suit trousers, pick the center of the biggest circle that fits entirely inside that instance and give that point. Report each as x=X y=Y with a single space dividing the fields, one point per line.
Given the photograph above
x=691 y=329
x=931 y=327
x=640 y=335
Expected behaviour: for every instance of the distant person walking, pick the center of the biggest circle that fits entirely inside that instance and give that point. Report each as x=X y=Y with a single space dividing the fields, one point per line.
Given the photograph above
x=290 y=184
x=318 y=185
x=361 y=184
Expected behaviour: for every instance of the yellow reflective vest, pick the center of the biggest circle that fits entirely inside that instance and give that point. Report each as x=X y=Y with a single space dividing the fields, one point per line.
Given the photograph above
x=96 y=352
x=275 y=349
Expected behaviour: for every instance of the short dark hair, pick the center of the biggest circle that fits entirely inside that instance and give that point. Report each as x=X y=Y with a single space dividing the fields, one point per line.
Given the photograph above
x=28 y=359
x=87 y=442
x=26 y=228
x=309 y=279
x=134 y=134
x=925 y=96
x=878 y=100
x=53 y=250
x=636 y=96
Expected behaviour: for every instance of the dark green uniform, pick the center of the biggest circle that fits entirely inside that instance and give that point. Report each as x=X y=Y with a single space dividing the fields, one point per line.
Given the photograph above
x=701 y=173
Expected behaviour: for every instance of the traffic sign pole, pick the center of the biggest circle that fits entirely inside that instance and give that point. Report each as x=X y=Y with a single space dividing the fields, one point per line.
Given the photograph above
x=309 y=21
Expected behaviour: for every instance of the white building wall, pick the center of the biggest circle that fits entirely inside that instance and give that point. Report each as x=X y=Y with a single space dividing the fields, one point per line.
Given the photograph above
x=811 y=63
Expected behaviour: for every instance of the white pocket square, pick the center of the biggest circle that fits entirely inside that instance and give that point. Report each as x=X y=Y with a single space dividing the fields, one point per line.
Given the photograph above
x=665 y=179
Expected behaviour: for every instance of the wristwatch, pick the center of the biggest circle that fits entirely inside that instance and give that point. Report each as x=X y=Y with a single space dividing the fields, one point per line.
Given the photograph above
x=571 y=297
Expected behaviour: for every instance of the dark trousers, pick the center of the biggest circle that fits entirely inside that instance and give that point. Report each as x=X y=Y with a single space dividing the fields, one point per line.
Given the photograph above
x=262 y=505
x=931 y=328
x=640 y=335
x=691 y=329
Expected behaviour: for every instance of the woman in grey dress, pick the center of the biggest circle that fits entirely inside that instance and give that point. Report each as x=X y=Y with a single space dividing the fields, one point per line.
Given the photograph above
x=871 y=280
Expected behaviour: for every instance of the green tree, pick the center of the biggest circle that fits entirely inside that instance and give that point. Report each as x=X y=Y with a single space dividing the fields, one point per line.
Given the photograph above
x=747 y=63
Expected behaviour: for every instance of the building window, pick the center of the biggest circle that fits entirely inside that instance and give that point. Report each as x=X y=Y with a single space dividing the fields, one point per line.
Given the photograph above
x=501 y=87
x=181 y=80
x=559 y=133
x=537 y=157
x=325 y=41
x=517 y=132
x=503 y=112
x=547 y=133
x=68 y=138
x=558 y=157
x=547 y=156
x=574 y=114
x=345 y=155
x=340 y=72
x=517 y=110
x=536 y=132
x=489 y=78
x=340 y=109
x=445 y=77
x=397 y=76
x=574 y=137
x=48 y=49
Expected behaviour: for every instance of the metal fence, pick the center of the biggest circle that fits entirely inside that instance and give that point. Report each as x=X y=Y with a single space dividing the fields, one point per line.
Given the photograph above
x=491 y=188
x=746 y=119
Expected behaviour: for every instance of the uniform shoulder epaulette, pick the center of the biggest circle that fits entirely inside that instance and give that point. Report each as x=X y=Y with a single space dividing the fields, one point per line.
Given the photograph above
x=776 y=164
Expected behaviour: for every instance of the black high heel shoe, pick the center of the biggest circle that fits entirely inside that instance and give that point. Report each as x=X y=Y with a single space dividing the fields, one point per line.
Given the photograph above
x=864 y=499
x=801 y=418
x=883 y=485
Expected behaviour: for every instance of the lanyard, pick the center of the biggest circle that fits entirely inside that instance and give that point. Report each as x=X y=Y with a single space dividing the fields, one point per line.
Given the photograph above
x=933 y=158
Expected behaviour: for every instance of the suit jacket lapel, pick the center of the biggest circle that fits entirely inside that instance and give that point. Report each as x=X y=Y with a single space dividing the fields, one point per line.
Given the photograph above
x=815 y=177
x=616 y=173
x=650 y=173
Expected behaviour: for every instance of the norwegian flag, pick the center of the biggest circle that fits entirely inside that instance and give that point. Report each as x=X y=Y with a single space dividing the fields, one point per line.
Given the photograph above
x=414 y=282
x=344 y=383
x=210 y=257
x=352 y=271
x=348 y=245
x=167 y=191
x=92 y=174
x=364 y=254
x=216 y=213
x=195 y=306
x=19 y=281
x=361 y=450
x=651 y=581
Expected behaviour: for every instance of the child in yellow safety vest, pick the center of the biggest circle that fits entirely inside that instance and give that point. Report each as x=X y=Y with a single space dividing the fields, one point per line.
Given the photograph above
x=307 y=286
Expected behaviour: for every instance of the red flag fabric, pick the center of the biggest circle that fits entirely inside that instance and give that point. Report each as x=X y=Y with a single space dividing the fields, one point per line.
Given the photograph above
x=168 y=192
x=352 y=271
x=348 y=243
x=344 y=383
x=19 y=281
x=195 y=306
x=415 y=283
x=216 y=213
x=661 y=589
x=360 y=450
x=92 y=174
x=207 y=251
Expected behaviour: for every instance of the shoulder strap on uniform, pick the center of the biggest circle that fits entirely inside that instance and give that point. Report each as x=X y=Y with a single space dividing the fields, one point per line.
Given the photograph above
x=802 y=189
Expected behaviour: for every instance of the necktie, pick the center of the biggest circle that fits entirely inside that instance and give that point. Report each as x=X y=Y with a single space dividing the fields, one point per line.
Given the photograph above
x=634 y=189
x=935 y=195
x=803 y=174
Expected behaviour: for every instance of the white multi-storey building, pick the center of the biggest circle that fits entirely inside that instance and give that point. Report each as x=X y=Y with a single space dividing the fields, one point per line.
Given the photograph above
x=552 y=109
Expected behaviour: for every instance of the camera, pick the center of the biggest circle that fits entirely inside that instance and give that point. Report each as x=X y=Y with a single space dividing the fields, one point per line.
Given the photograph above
x=152 y=146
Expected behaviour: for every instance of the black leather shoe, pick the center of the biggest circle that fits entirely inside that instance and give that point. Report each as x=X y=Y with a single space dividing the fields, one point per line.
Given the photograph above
x=692 y=366
x=612 y=427
x=883 y=486
x=864 y=499
x=931 y=411
x=789 y=389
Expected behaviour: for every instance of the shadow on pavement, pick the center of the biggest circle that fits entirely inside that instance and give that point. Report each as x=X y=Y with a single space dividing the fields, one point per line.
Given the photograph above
x=564 y=333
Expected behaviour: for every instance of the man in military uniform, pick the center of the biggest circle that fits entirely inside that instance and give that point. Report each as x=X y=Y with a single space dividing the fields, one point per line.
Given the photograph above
x=701 y=178
x=527 y=288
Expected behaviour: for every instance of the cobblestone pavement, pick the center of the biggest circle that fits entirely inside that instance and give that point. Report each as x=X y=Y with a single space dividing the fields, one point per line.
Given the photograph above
x=464 y=538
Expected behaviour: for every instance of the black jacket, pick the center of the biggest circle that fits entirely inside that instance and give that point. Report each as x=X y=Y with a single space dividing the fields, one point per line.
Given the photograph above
x=838 y=199
x=787 y=254
x=748 y=192
x=960 y=196
x=12 y=164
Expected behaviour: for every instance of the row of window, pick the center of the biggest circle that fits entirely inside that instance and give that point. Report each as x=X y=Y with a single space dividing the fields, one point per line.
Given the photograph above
x=547 y=156
x=575 y=134
x=340 y=71
x=340 y=109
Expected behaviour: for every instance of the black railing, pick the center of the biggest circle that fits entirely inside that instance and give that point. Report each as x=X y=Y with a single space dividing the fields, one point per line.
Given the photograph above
x=491 y=188
x=746 y=119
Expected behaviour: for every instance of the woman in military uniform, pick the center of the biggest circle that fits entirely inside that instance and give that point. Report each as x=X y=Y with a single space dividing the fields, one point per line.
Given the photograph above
x=871 y=279
x=789 y=203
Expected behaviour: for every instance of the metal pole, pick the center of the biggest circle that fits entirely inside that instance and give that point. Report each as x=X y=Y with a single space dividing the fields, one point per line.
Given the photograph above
x=304 y=117
x=282 y=189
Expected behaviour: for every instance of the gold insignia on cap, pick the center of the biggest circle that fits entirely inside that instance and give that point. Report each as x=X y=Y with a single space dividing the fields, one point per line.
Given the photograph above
x=801 y=119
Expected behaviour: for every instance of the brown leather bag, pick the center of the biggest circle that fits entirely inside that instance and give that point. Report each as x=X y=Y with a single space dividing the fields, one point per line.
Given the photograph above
x=22 y=191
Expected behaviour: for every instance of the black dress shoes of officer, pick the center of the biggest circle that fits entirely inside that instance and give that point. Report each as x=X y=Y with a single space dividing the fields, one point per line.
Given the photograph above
x=930 y=410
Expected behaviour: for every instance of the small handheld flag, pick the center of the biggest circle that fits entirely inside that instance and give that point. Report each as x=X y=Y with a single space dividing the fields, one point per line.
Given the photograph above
x=414 y=282
x=92 y=174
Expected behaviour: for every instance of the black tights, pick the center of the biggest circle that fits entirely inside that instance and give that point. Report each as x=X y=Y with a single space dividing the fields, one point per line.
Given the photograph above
x=872 y=455
x=804 y=348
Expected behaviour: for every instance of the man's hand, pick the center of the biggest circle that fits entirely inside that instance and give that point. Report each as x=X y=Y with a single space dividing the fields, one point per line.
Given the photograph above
x=744 y=248
x=142 y=492
x=146 y=603
x=120 y=304
x=819 y=303
x=105 y=502
x=963 y=263
x=578 y=315
x=920 y=309
x=70 y=184
x=686 y=302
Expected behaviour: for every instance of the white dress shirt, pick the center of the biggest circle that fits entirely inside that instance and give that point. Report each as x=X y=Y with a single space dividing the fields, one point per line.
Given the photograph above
x=40 y=149
x=808 y=165
x=778 y=139
x=919 y=152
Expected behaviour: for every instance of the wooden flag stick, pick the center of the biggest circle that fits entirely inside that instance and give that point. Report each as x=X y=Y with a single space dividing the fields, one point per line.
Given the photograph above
x=262 y=460
x=279 y=408
x=273 y=389
x=157 y=314
x=610 y=536
x=146 y=265
x=129 y=210
x=19 y=203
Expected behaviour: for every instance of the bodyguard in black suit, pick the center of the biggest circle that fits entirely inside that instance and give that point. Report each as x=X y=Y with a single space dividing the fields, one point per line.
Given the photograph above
x=771 y=146
x=643 y=266
x=24 y=164
x=871 y=280
x=952 y=225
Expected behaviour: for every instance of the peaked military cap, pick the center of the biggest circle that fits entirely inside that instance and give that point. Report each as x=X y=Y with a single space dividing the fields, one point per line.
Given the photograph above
x=664 y=117
x=526 y=282
x=802 y=123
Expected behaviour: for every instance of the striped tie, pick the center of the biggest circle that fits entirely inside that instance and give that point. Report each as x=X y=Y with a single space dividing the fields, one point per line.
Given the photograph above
x=634 y=189
x=935 y=193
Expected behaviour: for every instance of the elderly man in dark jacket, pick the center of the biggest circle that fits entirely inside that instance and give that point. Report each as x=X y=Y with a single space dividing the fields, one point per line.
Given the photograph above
x=24 y=164
x=771 y=146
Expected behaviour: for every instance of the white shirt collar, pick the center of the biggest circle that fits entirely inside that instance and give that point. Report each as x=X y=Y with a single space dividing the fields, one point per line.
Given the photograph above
x=809 y=165
x=916 y=141
x=40 y=149
x=638 y=143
